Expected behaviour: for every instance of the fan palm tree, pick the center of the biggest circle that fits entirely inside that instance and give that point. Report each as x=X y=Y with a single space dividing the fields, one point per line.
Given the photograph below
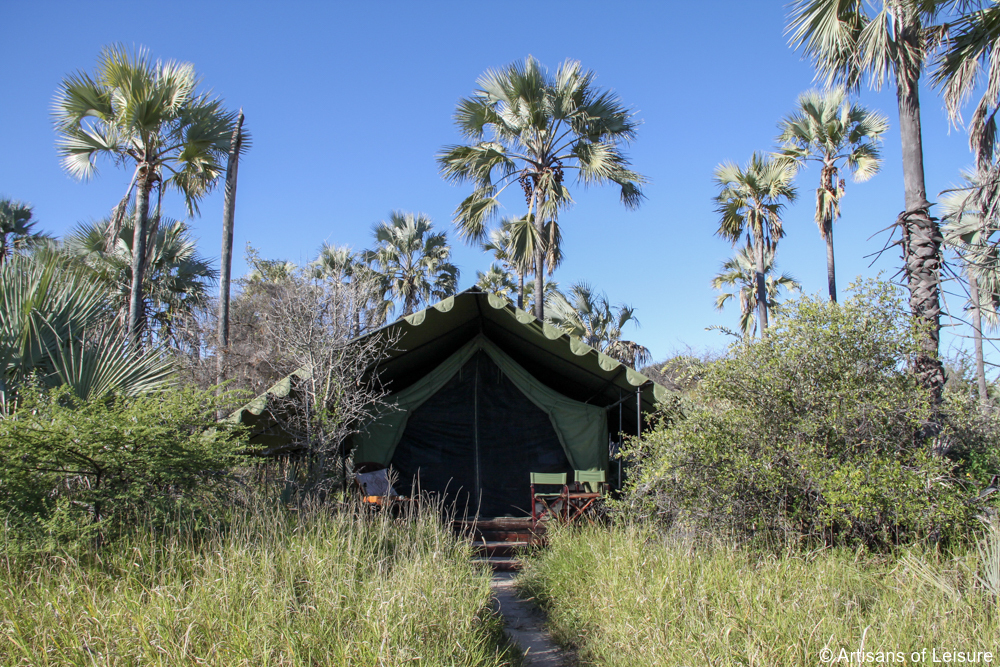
x=226 y=261
x=337 y=262
x=412 y=261
x=340 y=263
x=591 y=318
x=16 y=227
x=57 y=327
x=740 y=273
x=149 y=116
x=527 y=127
x=967 y=63
x=514 y=244
x=176 y=279
x=750 y=202
x=969 y=231
x=829 y=129
x=848 y=40
x=497 y=280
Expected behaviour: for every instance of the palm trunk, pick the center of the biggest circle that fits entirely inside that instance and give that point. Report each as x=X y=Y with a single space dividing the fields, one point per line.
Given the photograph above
x=136 y=311
x=228 y=218
x=520 y=290
x=921 y=236
x=539 y=309
x=824 y=215
x=539 y=285
x=761 y=285
x=831 y=272
x=409 y=304
x=977 y=333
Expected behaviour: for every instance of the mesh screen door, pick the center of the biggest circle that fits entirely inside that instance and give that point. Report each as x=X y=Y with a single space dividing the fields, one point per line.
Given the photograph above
x=475 y=441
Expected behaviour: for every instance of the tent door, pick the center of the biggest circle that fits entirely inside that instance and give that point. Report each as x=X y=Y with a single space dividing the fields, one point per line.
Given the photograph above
x=475 y=441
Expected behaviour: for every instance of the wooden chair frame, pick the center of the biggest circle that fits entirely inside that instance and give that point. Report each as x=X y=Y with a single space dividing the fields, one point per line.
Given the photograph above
x=547 y=500
x=588 y=487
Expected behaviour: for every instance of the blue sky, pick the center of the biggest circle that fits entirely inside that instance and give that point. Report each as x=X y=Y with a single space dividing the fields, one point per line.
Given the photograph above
x=349 y=103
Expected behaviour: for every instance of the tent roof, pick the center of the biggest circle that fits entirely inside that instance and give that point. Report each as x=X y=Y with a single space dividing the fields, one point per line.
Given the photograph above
x=561 y=361
x=425 y=339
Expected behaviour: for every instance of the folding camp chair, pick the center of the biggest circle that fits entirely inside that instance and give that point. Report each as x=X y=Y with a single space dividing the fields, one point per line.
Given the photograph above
x=588 y=486
x=372 y=481
x=548 y=503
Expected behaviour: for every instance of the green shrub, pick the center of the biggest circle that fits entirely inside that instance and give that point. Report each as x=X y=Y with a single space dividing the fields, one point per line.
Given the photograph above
x=814 y=432
x=76 y=468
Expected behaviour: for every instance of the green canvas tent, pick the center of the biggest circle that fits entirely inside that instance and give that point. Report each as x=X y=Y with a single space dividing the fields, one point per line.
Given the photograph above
x=481 y=394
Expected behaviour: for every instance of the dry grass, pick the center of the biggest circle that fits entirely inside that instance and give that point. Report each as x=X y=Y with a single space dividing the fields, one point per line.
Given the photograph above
x=627 y=597
x=274 y=588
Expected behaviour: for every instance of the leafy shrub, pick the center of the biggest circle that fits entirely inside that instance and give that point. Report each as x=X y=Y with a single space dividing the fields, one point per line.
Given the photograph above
x=76 y=468
x=814 y=432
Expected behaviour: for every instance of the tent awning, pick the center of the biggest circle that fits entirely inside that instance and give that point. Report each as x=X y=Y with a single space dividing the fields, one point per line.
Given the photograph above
x=561 y=361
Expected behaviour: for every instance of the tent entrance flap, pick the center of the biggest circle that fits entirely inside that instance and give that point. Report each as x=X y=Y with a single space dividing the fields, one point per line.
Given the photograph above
x=475 y=441
x=477 y=424
x=582 y=429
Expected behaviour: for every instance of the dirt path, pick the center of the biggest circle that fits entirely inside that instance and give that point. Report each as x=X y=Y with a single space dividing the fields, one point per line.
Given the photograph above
x=525 y=624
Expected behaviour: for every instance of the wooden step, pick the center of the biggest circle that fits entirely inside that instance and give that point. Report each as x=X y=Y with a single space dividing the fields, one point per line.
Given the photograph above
x=516 y=524
x=504 y=535
x=499 y=563
x=492 y=548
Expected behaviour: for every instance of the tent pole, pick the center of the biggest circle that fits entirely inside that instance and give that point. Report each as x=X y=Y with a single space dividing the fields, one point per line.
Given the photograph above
x=638 y=411
x=621 y=426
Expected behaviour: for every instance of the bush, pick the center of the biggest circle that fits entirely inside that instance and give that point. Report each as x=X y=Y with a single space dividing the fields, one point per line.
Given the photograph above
x=815 y=433
x=76 y=468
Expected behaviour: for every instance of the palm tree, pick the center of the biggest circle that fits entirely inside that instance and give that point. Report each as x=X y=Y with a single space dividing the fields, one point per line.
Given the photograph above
x=514 y=243
x=829 y=129
x=16 y=227
x=176 y=277
x=412 y=261
x=497 y=280
x=968 y=230
x=57 y=327
x=147 y=115
x=340 y=263
x=968 y=56
x=335 y=262
x=527 y=127
x=848 y=40
x=750 y=201
x=228 y=220
x=591 y=318
x=740 y=273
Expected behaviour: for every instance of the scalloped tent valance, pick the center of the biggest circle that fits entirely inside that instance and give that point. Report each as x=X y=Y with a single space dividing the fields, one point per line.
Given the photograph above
x=557 y=359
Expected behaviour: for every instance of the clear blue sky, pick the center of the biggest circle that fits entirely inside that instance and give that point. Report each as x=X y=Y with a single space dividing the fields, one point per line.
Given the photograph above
x=348 y=103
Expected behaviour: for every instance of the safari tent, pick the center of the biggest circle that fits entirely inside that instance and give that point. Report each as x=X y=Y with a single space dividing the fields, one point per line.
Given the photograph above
x=480 y=395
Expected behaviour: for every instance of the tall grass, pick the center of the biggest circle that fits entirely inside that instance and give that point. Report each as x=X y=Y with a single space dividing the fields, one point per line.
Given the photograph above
x=272 y=588
x=627 y=597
